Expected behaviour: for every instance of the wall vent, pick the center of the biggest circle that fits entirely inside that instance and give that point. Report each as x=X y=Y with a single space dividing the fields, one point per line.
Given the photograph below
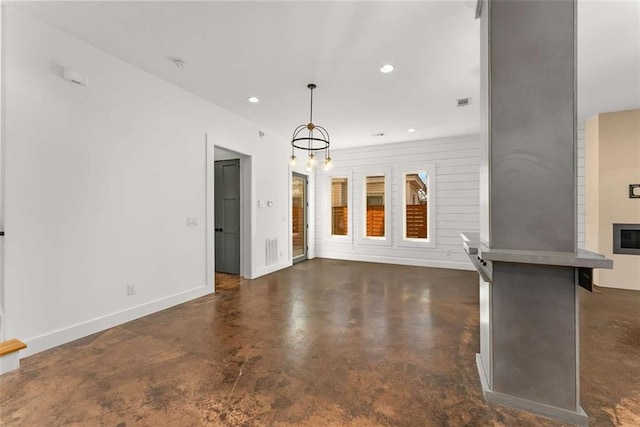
x=463 y=102
x=271 y=250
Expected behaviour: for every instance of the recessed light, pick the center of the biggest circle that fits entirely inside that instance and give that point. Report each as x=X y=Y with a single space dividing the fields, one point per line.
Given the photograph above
x=386 y=68
x=253 y=99
x=411 y=130
x=180 y=63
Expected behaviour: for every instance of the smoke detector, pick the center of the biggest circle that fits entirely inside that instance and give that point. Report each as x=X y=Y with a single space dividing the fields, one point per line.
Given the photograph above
x=180 y=63
x=73 y=76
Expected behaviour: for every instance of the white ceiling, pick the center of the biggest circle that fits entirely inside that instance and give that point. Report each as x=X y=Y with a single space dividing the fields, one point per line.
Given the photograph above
x=273 y=49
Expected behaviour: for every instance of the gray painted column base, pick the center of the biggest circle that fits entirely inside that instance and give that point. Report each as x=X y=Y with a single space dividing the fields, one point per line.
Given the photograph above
x=579 y=418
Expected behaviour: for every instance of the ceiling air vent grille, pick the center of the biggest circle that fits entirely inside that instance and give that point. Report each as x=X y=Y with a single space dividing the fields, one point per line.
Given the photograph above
x=463 y=102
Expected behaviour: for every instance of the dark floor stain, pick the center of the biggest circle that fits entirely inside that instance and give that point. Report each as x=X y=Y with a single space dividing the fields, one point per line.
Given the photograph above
x=264 y=383
x=630 y=336
x=281 y=403
x=158 y=396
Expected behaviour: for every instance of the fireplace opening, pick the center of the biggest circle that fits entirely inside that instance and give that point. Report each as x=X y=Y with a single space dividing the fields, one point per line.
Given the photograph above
x=626 y=239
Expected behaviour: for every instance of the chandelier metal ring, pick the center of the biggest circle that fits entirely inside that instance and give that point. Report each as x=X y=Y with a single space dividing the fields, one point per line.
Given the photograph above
x=310 y=143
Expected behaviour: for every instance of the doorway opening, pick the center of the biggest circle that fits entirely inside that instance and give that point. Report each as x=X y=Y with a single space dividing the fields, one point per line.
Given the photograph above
x=213 y=153
x=228 y=213
x=299 y=220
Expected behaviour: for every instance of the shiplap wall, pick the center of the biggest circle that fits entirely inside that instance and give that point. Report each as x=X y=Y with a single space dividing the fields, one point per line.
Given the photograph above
x=456 y=201
x=580 y=183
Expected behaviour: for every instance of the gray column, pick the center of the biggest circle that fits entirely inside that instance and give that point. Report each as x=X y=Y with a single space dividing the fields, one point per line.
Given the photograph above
x=526 y=251
x=532 y=126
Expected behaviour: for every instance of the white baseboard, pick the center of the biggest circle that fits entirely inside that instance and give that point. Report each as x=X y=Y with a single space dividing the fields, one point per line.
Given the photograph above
x=270 y=269
x=9 y=362
x=418 y=262
x=630 y=288
x=80 y=330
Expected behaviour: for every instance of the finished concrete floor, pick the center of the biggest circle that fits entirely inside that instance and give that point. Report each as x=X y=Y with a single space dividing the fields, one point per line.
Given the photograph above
x=324 y=343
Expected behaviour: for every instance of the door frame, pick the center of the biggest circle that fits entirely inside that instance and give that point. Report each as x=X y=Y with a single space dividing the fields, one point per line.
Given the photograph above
x=304 y=257
x=311 y=211
x=245 y=212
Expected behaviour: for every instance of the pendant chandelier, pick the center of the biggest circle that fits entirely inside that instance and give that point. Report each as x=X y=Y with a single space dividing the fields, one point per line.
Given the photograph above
x=305 y=139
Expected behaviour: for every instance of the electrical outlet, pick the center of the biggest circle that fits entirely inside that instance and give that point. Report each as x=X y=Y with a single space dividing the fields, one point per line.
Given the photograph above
x=131 y=290
x=191 y=221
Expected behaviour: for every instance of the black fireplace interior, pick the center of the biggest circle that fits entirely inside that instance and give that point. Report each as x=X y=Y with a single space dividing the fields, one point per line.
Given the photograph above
x=626 y=239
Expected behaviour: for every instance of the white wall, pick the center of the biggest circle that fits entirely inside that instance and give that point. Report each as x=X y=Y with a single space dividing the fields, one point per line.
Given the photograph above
x=2 y=168
x=222 y=154
x=580 y=184
x=612 y=158
x=99 y=182
x=456 y=201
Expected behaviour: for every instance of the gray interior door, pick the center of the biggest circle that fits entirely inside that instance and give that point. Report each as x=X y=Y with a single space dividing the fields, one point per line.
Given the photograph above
x=227 y=216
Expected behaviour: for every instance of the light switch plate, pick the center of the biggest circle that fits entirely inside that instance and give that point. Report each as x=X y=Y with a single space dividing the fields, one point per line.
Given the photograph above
x=191 y=221
x=634 y=191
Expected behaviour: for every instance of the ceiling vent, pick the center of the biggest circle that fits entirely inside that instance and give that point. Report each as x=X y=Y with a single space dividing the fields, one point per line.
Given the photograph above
x=463 y=102
x=376 y=135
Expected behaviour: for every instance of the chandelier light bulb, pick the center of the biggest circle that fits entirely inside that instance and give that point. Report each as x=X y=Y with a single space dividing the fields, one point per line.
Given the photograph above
x=313 y=160
x=328 y=164
x=293 y=160
x=308 y=167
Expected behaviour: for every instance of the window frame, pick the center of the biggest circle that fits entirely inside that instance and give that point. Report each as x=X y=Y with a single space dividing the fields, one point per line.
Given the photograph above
x=339 y=173
x=387 y=240
x=401 y=224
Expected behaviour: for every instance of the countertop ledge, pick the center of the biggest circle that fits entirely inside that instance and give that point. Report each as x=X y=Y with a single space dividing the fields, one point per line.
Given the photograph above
x=582 y=258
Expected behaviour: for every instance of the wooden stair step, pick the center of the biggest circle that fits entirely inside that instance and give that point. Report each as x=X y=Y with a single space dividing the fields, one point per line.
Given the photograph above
x=10 y=346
